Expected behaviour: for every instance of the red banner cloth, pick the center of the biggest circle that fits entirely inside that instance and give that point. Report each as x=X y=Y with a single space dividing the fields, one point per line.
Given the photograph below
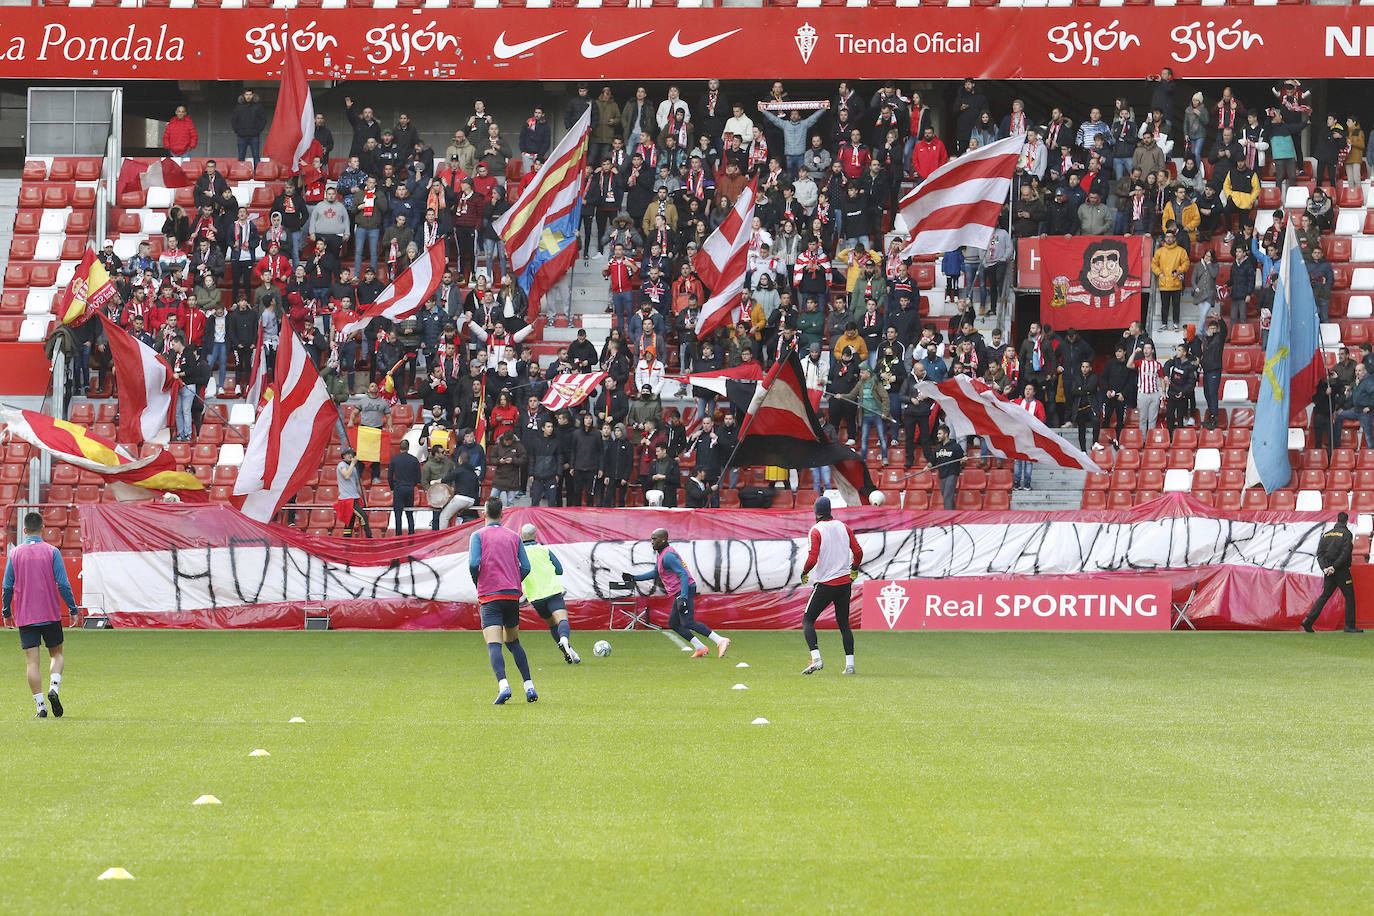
x=1091 y=281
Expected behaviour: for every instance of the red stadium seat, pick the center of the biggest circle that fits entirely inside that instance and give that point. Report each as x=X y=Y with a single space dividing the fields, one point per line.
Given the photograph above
x=1233 y=458
x=1181 y=457
x=1283 y=501
x=914 y=499
x=1342 y=481
x=1185 y=438
x=1131 y=437
x=1229 y=500
x=969 y=500
x=1121 y=499
x=1123 y=479
x=1312 y=458
x=1256 y=500
x=1245 y=335
x=1094 y=499
x=1151 y=479
x=1343 y=459
x=1155 y=458
x=1204 y=480
x=1311 y=479
x=997 y=501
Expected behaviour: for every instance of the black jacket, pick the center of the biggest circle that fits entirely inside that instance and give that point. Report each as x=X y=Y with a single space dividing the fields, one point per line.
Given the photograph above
x=586 y=450
x=248 y=119
x=243 y=328
x=1335 y=548
x=403 y=472
x=617 y=459
x=545 y=456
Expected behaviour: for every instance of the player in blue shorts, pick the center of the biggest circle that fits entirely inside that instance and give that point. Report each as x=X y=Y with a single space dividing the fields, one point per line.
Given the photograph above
x=545 y=593
x=682 y=588
x=497 y=562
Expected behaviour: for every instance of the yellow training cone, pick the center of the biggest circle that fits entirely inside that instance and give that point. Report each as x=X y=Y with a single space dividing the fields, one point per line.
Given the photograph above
x=115 y=874
x=258 y=752
x=206 y=800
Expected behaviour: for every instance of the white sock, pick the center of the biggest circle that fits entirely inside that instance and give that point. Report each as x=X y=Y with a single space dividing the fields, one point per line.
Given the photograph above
x=529 y=685
x=849 y=661
x=502 y=684
x=717 y=638
x=697 y=644
x=815 y=655
x=56 y=682
x=563 y=641
x=38 y=699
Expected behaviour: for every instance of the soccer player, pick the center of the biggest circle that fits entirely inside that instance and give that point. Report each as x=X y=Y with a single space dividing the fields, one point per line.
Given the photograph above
x=834 y=556
x=36 y=574
x=497 y=561
x=545 y=592
x=682 y=588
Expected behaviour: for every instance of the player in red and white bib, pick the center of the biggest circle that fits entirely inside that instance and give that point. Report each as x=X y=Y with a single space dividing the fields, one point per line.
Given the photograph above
x=834 y=556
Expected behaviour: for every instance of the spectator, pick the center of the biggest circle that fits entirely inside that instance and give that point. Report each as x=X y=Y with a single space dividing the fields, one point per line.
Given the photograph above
x=1319 y=211
x=1082 y=392
x=365 y=127
x=1021 y=470
x=248 y=122
x=1322 y=278
x=1181 y=378
x=948 y=462
x=179 y=136
x=1213 y=348
x=1148 y=391
x=1327 y=402
x=1095 y=217
x=1361 y=406
x=1170 y=267
x=1329 y=148
x=1355 y=155
x=509 y=459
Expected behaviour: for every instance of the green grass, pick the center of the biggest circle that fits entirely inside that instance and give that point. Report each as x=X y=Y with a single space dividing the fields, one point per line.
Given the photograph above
x=959 y=772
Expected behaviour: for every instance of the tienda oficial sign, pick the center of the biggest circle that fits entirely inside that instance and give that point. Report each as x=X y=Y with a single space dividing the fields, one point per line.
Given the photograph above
x=1057 y=603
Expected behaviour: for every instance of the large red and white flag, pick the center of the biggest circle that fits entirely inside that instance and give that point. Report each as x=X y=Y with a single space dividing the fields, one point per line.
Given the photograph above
x=147 y=388
x=406 y=293
x=971 y=408
x=290 y=436
x=88 y=291
x=136 y=174
x=961 y=202
x=722 y=262
x=571 y=389
x=291 y=138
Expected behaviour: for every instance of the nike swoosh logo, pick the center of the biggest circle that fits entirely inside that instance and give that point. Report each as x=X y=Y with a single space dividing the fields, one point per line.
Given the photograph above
x=678 y=48
x=505 y=51
x=591 y=49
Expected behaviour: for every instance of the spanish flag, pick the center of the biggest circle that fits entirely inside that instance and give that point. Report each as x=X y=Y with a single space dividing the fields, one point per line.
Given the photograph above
x=90 y=289
x=371 y=443
x=79 y=446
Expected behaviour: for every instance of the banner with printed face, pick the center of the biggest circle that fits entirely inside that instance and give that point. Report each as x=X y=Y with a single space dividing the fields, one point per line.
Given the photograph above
x=761 y=43
x=1091 y=281
x=177 y=565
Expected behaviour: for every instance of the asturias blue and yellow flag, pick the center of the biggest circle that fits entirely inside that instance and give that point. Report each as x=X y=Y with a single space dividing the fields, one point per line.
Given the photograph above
x=1293 y=366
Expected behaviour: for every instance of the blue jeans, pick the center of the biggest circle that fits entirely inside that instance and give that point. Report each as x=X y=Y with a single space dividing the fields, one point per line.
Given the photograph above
x=251 y=145
x=873 y=421
x=217 y=354
x=186 y=399
x=1120 y=167
x=494 y=251
x=81 y=368
x=1195 y=147
x=362 y=238
x=1211 y=388
x=1366 y=423
x=820 y=478
x=794 y=163
x=906 y=154
x=296 y=239
x=851 y=241
x=1021 y=473
x=973 y=277
x=624 y=305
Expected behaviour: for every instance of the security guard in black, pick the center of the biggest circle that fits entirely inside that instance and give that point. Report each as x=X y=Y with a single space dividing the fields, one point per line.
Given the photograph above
x=1334 y=552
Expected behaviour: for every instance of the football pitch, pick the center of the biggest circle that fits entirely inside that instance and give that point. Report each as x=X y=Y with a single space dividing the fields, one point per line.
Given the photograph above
x=958 y=772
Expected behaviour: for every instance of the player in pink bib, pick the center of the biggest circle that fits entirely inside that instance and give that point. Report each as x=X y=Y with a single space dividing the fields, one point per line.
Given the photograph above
x=682 y=588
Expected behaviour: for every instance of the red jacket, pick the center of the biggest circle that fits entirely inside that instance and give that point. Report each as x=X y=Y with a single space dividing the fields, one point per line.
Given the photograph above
x=623 y=274
x=180 y=137
x=853 y=159
x=926 y=157
x=483 y=186
x=468 y=211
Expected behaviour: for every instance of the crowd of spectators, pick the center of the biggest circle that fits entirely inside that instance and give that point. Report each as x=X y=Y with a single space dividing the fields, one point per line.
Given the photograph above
x=825 y=275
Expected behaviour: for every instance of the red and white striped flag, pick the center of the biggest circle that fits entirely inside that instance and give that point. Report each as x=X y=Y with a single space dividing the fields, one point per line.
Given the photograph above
x=147 y=388
x=291 y=138
x=722 y=262
x=571 y=389
x=290 y=436
x=406 y=293
x=135 y=174
x=961 y=202
x=971 y=408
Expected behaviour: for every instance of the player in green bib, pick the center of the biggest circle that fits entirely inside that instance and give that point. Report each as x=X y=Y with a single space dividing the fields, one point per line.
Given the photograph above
x=545 y=592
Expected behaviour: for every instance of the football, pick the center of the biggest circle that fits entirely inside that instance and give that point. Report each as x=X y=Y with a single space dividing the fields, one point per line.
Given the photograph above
x=877 y=498
x=601 y=649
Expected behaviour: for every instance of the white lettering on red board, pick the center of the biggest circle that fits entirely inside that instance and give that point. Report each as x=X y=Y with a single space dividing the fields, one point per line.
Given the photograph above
x=1195 y=39
x=132 y=45
x=268 y=41
x=1084 y=39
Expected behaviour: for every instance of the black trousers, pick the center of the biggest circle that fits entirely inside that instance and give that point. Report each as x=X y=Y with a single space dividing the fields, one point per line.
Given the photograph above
x=583 y=489
x=1086 y=418
x=401 y=500
x=1118 y=409
x=241 y=279
x=359 y=517
x=243 y=365
x=613 y=494
x=822 y=597
x=1342 y=581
